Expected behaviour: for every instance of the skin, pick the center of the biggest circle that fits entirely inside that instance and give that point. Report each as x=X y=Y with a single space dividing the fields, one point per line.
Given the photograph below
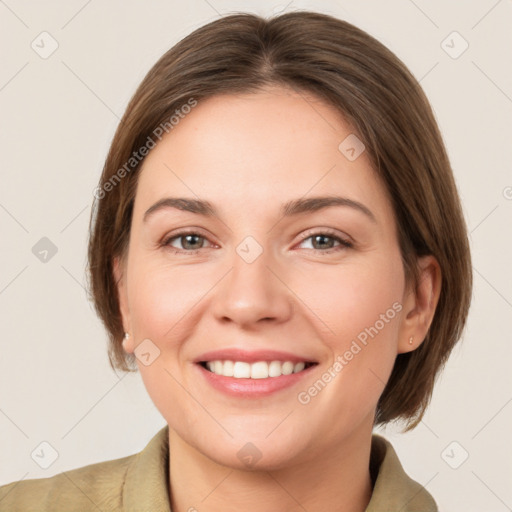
x=247 y=155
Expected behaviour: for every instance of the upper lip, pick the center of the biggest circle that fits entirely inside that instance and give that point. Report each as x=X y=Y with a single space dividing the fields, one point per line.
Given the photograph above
x=252 y=356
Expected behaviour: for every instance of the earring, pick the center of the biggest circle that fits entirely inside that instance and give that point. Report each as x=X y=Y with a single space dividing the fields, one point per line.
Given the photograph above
x=410 y=340
x=125 y=339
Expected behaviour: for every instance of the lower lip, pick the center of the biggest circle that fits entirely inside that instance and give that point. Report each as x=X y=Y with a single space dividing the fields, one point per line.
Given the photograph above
x=252 y=388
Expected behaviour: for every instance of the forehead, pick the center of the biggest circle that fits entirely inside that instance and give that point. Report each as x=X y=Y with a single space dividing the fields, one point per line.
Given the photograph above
x=262 y=148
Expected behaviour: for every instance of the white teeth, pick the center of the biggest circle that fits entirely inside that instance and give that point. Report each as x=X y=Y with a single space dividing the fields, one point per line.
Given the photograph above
x=241 y=370
x=299 y=367
x=274 y=369
x=228 y=369
x=258 y=370
x=287 y=368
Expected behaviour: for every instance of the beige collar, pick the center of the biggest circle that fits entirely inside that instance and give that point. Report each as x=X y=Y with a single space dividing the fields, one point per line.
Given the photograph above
x=146 y=486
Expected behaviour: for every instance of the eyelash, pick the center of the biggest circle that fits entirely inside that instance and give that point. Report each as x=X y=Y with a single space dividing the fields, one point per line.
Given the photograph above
x=343 y=243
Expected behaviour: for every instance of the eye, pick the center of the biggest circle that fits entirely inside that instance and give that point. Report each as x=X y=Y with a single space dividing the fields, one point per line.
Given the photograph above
x=326 y=241
x=190 y=242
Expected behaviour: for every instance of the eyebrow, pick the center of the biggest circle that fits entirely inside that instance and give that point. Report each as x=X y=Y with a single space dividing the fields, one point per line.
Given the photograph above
x=294 y=207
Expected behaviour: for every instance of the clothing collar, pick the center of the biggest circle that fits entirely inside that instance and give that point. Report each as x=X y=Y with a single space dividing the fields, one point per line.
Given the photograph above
x=393 y=489
x=146 y=484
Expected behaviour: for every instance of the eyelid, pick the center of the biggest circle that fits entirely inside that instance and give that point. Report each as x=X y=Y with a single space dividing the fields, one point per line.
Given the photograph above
x=343 y=237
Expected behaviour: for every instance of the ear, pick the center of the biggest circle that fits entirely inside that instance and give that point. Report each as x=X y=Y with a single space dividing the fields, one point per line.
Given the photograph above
x=420 y=305
x=119 y=268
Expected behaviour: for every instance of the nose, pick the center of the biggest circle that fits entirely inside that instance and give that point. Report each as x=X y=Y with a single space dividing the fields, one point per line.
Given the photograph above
x=252 y=294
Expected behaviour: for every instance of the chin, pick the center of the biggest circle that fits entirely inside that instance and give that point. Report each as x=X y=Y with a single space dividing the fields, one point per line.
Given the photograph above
x=254 y=456
x=248 y=450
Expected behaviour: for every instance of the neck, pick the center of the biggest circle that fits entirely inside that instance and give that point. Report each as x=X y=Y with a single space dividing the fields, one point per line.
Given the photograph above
x=337 y=480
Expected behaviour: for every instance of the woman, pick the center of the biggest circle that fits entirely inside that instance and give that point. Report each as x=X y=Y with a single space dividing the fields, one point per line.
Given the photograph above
x=278 y=247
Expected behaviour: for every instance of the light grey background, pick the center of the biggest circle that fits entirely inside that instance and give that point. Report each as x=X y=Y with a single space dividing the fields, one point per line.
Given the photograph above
x=58 y=116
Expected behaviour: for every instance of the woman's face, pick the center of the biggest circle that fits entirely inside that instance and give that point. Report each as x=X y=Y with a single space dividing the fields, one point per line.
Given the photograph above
x=270 y=276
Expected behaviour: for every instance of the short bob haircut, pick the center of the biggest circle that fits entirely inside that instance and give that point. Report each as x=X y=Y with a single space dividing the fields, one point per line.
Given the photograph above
x=351 y=71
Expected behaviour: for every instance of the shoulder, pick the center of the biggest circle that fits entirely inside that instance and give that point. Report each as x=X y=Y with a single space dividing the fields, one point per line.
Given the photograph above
x=136 y=482
x=93 y=487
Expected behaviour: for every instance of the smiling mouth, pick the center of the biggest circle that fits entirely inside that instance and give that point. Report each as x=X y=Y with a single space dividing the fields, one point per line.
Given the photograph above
x=256 y=370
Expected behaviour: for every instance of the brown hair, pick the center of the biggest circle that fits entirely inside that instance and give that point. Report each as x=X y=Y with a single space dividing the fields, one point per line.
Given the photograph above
x=387 y=108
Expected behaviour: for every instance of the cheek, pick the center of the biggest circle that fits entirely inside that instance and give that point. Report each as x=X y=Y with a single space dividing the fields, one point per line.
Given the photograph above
x=163 y=299
x=351 y=299
x=164 y=306
x=359 y=310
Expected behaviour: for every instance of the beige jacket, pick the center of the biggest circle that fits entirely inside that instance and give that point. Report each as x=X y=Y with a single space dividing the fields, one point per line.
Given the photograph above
x=140 y=483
